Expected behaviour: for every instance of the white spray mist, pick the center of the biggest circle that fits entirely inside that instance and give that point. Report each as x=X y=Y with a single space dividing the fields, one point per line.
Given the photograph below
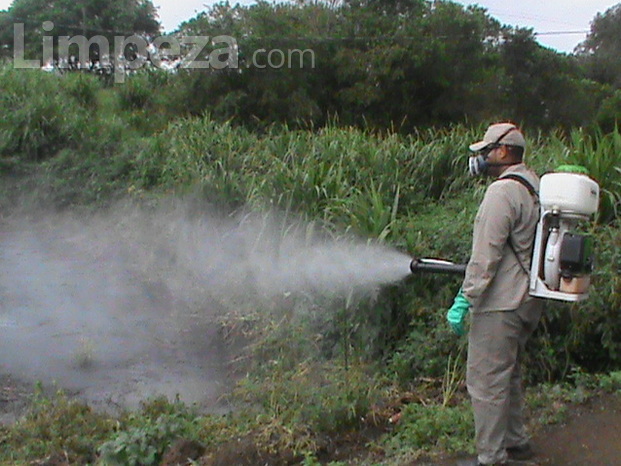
x=121 y=305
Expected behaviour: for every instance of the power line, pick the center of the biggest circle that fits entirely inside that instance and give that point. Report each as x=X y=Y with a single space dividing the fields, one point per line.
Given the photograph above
x=80 y=28
x=560 y=33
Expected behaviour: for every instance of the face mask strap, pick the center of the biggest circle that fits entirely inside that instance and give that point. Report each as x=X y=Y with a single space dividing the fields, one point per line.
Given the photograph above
x=490 y=147
x=502 y=136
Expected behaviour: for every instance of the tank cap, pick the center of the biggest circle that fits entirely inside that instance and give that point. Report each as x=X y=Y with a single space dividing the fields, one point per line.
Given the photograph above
x=572 y=169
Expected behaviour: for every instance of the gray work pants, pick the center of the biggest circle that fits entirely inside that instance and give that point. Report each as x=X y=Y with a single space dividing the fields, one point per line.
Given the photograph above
x=495 y=343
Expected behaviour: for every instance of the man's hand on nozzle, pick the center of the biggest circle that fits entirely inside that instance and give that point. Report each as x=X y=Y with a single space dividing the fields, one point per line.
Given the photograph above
x=456 y=314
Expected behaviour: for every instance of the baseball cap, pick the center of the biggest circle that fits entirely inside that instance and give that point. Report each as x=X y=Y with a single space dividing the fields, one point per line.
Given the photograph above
x=500 y=133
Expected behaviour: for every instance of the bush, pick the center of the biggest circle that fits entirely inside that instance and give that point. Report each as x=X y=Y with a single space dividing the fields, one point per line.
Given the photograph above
x=136 y=93
x=608 y=113
x=38 y=120
x=56 y=425
x=145 y=442
x=432 y=428
x=84 y=89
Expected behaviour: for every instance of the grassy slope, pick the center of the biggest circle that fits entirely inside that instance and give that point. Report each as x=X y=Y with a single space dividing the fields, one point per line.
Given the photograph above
x=91 y=145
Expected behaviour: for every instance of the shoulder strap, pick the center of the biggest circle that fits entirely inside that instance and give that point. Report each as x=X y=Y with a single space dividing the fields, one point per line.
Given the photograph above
x=534 y=193
x=522 y=181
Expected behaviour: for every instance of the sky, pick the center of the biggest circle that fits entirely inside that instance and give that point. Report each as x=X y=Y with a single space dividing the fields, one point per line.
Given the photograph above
x=562 y=17
x=549 y=16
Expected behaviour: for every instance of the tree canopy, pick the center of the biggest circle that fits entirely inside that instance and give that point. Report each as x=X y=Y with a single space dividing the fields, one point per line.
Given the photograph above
x=108 y=18
x=400 y=64
x=602 y=48
x=388 y=63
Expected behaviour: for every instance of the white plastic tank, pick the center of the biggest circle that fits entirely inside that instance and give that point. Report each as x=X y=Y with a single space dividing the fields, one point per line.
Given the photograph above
x=569 y=192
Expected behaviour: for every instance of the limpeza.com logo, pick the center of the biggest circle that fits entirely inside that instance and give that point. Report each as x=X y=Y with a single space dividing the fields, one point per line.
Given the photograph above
x=125 y=54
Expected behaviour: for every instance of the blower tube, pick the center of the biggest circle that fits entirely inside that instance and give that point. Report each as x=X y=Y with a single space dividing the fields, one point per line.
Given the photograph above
x=436 y=266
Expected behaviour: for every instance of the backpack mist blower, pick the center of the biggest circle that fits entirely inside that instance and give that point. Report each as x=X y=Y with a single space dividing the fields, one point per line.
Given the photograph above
x=562 y=259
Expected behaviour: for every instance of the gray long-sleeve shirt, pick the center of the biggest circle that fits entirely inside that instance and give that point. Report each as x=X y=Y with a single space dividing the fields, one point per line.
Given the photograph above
x=494 y=280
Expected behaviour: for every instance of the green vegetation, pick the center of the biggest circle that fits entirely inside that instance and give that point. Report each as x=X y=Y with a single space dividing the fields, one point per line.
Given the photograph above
x=399 y=66
x=315 y=379
x=89 y=18
x=373 y=64
x=372 y=141
x=288 y=422
x=55 y=426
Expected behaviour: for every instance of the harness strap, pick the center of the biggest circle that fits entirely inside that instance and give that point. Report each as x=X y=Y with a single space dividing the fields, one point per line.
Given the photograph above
x=524 y=182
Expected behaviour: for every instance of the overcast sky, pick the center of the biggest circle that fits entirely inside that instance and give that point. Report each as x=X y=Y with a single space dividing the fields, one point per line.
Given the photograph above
x=548 y=16
x=551 y=16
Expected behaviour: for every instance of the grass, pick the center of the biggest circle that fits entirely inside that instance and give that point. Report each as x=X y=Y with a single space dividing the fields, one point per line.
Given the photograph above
x=56 y=426
x=288 y=415
x=431 y=429
x=85 y=354
x=321 y=373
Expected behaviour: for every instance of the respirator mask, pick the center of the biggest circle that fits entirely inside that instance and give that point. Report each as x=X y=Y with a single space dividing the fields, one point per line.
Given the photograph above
x=478 y=164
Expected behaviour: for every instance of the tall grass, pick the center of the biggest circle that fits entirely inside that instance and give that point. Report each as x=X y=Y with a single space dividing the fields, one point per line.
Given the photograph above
x=598 y=152
x=89 y=143
x=37 y=120
x=601 y=155
x=341 y=175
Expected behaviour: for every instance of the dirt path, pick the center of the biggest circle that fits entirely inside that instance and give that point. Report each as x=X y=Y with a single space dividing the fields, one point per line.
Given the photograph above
x=591 y=436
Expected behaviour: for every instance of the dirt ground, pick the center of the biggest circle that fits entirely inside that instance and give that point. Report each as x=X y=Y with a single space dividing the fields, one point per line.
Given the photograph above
x=590 y=436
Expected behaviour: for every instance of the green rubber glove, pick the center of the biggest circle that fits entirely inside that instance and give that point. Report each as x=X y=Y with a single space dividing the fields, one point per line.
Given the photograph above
x=457 y=312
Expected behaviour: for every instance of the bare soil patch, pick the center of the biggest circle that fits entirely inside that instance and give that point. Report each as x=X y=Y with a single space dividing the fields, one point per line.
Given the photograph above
x=590 y=436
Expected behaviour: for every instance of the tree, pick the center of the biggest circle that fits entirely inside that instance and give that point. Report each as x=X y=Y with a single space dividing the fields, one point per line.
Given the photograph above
x=601 y=51
x=5 y=35
x=420 y=67
x=298 y=92
x=542 y=87
x=108 y=18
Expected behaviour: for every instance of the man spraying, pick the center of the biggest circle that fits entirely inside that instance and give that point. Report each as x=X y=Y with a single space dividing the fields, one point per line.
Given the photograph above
x=496 y=292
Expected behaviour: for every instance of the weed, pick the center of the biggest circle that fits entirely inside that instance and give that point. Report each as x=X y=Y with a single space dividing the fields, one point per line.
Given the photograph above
x=453 y=377
x=432 y=428
x=610 y=382
x=56 y=425
x=141 y=438
x=296 y=407
x=548 y=402
x=85 y=355
x=144 y=444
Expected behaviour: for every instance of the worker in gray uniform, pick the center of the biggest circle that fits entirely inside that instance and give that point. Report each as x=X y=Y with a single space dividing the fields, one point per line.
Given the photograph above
x=495 y=291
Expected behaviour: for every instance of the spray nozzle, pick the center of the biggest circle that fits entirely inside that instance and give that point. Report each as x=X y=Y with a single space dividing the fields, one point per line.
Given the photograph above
x=419 y=265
